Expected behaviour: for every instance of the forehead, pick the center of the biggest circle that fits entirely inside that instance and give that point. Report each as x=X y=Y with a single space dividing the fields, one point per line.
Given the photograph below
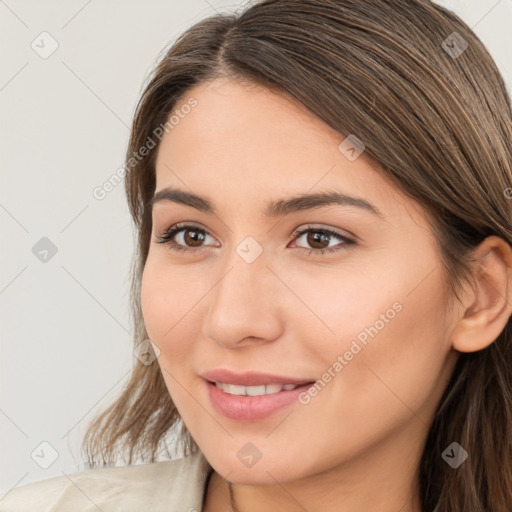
x=239 y=121
x=253 y=142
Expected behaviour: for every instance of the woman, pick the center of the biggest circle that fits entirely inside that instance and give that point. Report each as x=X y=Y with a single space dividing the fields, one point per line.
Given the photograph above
x=323 y=283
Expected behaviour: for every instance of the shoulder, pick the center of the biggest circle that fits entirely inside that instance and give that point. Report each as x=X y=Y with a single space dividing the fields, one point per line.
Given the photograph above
x=161 y=486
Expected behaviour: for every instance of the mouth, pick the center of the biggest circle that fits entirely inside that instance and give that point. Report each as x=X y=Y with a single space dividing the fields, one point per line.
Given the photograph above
x=251 y=379
x=252 y=403
x=264 y=389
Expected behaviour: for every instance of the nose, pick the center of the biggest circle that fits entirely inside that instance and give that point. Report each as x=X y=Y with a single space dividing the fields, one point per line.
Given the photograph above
x=245 y=305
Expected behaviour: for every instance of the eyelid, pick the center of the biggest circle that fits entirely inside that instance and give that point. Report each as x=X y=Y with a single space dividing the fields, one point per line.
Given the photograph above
x=328 y=229
x=182 y=226
x=179 y=227
x=297 y=231
x=346 y=241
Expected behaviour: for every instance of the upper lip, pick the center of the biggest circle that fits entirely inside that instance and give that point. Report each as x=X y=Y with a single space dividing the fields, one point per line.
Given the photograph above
x=250 y=378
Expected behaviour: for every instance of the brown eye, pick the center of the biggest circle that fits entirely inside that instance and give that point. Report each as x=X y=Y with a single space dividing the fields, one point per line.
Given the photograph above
x=184 y=238
x=318 y=240
x=193 y=237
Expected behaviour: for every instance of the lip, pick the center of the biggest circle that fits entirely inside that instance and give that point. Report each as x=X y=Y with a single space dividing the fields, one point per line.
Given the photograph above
x=251 y=408
x=250 y=378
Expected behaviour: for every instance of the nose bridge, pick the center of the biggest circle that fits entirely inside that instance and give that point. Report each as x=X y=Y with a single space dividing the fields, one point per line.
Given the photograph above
x=243 y=302
x=245 y=270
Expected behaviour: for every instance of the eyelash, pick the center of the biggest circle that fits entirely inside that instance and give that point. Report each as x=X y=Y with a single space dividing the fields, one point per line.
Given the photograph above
x=166 y=238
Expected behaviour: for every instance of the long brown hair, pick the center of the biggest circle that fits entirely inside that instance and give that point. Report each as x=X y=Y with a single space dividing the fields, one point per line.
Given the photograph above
x=432 y=109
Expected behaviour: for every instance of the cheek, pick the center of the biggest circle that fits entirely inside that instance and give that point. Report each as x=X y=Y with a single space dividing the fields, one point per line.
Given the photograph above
x=168 y=302
x=387 y=323
x=339 y=305
x=393 y=354
x=397 y=375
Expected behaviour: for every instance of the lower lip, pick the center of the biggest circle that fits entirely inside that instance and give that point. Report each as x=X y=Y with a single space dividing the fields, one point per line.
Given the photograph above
x=252 y=408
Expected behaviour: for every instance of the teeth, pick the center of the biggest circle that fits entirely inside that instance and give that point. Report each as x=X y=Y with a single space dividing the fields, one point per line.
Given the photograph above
x=268 y=389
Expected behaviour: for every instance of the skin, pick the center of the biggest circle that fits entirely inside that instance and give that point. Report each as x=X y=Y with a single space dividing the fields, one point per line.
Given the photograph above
x=357 y=444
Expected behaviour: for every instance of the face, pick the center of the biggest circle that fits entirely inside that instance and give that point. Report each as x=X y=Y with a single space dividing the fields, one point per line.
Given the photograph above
x=354 y=303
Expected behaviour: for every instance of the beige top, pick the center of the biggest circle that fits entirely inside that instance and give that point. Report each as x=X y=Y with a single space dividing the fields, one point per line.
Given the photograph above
x=171 y=486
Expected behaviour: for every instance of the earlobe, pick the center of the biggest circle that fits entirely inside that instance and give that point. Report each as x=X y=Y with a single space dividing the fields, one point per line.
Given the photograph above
x=488 y=302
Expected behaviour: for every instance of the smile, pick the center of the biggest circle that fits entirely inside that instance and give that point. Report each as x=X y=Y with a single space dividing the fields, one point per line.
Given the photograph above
x=268 y=389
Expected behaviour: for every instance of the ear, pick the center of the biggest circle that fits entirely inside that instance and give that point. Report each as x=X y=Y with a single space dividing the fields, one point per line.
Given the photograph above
x=488 y=300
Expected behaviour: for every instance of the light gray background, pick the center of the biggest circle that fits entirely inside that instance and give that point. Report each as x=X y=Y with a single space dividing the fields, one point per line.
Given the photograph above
x=66 y=344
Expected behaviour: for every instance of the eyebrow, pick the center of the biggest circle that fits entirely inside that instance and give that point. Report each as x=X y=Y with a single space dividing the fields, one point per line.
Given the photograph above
x=274 y=209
